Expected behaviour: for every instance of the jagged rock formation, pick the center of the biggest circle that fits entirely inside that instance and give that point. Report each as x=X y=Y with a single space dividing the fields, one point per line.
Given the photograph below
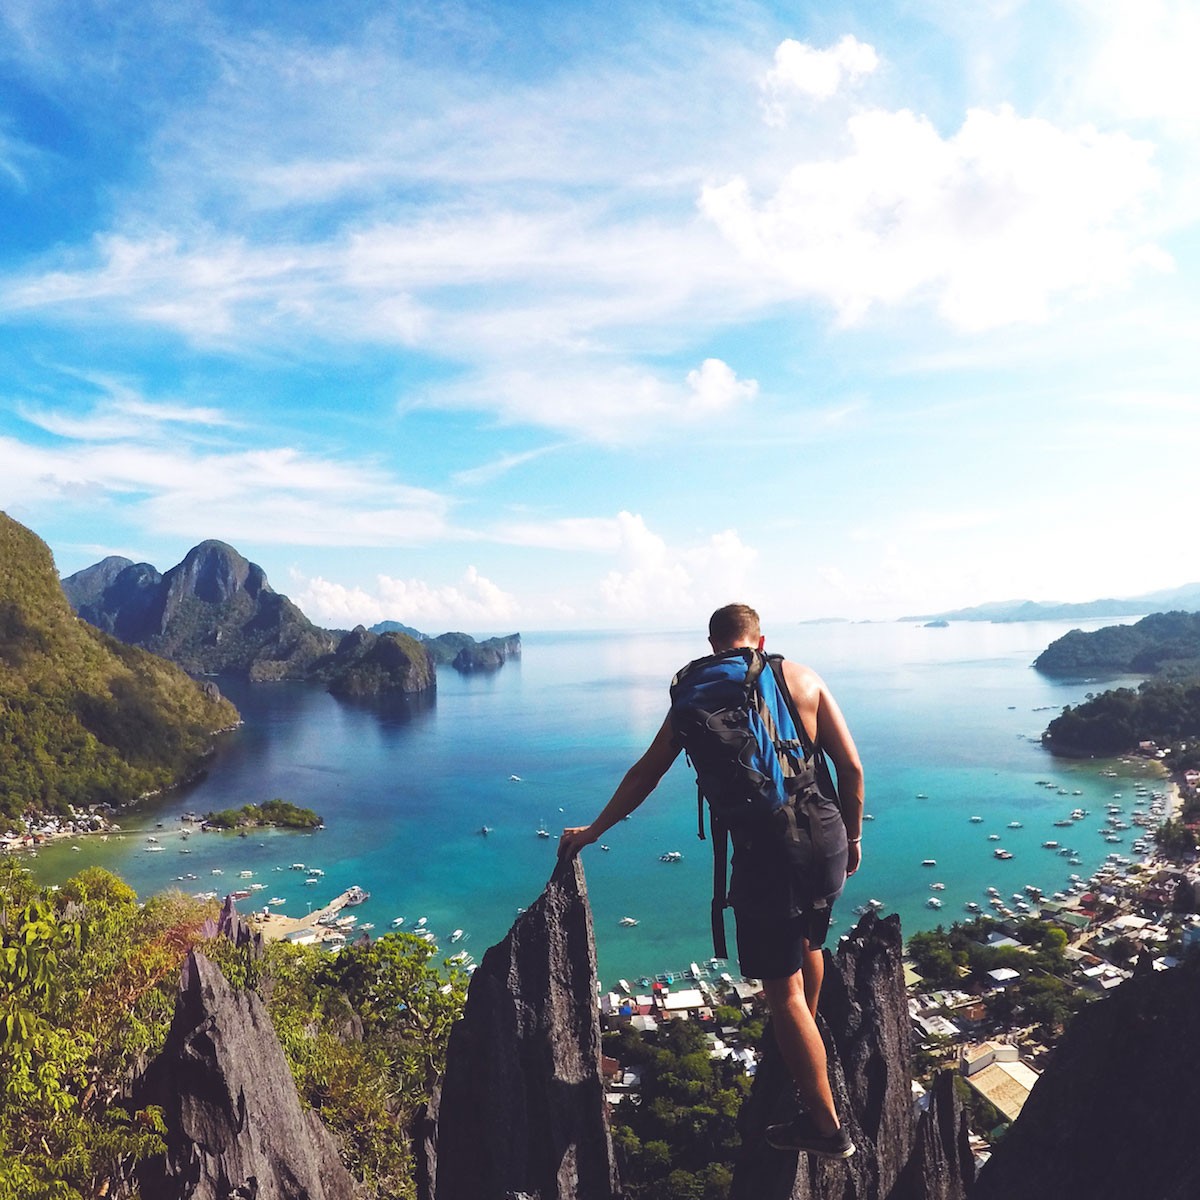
x=521 y=1107
x=235 y=1128
x=865 y=1023
x=369 y=664
x=214 y=613
x=1114 y=1115
x=231 y=924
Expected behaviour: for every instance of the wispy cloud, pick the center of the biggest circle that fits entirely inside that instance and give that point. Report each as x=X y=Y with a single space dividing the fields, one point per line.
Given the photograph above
x=272 y=494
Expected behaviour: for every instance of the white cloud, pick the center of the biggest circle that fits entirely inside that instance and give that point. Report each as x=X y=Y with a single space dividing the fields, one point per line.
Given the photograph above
x=1144 y=66
x=716 y=387
x=275 y=494
x=654 y=578
x=801 y=69
x=993 y=222
x=604 y=401
x=474 y=601
x=123 y=414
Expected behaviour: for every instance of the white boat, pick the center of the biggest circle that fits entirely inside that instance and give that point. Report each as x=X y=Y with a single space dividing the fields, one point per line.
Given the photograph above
x=356 y=895
x=976 y=820
x=671 y=856
x=152 y=849
x=277 y=900
x=937 y=887
x=604 y=847
x=245 y=874
x=315 y=872
x=297 y=866
x=934 y=902
x=514 y=779
x=421 y=922
x=217 y=871
x=929 y=862
x=1015 y=825
x=367 y=925
x=311 y=880
x=542 y=831
x=397 y=922
x=628 y=921
x=456 y=936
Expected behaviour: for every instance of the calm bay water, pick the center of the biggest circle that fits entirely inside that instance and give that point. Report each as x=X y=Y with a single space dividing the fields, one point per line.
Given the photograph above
x=947 y=722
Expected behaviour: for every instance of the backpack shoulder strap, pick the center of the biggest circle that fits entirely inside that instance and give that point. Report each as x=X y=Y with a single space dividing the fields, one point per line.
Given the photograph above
x=811 y=749
x=775 y=661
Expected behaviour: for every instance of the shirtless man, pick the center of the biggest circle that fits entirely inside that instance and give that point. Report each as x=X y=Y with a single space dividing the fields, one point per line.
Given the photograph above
x=783 y=950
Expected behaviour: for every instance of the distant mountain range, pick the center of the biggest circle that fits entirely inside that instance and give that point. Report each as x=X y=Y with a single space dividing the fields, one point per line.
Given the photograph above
x=216 y=614
x=1185 y=598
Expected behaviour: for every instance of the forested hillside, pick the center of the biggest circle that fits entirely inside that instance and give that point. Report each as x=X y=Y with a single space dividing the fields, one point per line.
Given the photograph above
x=84 y=718
x=1162 y=643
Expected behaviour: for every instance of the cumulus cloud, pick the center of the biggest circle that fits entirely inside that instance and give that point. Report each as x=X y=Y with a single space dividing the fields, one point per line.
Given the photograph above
x=474 y=601
x=716 y=387
x=654 y=578
x=992 y=222
x=801 y=69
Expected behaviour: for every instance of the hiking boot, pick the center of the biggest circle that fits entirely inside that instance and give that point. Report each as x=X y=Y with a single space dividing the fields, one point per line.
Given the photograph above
x=801 y=1134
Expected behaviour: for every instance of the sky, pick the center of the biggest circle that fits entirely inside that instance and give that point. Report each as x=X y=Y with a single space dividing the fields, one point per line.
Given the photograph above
x=500 y=316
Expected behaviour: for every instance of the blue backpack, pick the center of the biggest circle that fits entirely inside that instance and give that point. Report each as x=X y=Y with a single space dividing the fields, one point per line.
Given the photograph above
x=757 y=769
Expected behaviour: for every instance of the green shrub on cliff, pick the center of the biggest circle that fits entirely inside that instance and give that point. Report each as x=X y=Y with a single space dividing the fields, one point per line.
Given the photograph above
x=85 y=719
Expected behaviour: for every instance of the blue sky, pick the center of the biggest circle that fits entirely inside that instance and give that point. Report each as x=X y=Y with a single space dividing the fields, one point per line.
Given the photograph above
x=521 y=316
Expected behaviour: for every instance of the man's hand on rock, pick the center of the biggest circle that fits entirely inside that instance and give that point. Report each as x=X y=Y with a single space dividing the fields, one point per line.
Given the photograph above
x=574 y=840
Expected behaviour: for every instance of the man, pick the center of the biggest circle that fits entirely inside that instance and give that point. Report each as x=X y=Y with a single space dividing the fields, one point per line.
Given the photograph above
x=782 y=949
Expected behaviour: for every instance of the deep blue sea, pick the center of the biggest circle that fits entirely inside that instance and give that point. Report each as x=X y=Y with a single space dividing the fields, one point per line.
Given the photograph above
x=947 y=722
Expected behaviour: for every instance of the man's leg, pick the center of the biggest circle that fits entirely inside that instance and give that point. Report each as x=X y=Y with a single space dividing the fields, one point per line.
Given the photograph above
x=813 y=969
x=801 y=1045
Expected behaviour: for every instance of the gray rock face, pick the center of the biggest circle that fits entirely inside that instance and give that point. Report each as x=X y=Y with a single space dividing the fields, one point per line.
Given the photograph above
x=865 y=1024
x=213 y=613
x=522 y=1108
x=235 y=1128
x=1114 y=1114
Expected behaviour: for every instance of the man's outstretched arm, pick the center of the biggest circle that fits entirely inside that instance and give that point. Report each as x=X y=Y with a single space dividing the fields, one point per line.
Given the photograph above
x=640 y=780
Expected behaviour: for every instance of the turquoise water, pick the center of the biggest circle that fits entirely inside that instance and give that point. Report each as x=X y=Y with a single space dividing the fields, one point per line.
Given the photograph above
x=948 y=714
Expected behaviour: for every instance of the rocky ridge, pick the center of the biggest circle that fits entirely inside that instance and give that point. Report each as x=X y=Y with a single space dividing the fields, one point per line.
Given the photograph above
x=235 y=1129
x=521 y=1108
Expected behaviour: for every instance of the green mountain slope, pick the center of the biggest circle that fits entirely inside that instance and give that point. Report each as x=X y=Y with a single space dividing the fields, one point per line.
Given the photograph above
x=1162 y=643
x=84 y=718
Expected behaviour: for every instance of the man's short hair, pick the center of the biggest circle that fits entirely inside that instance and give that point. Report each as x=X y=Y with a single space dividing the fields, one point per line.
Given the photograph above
x=733 y=624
